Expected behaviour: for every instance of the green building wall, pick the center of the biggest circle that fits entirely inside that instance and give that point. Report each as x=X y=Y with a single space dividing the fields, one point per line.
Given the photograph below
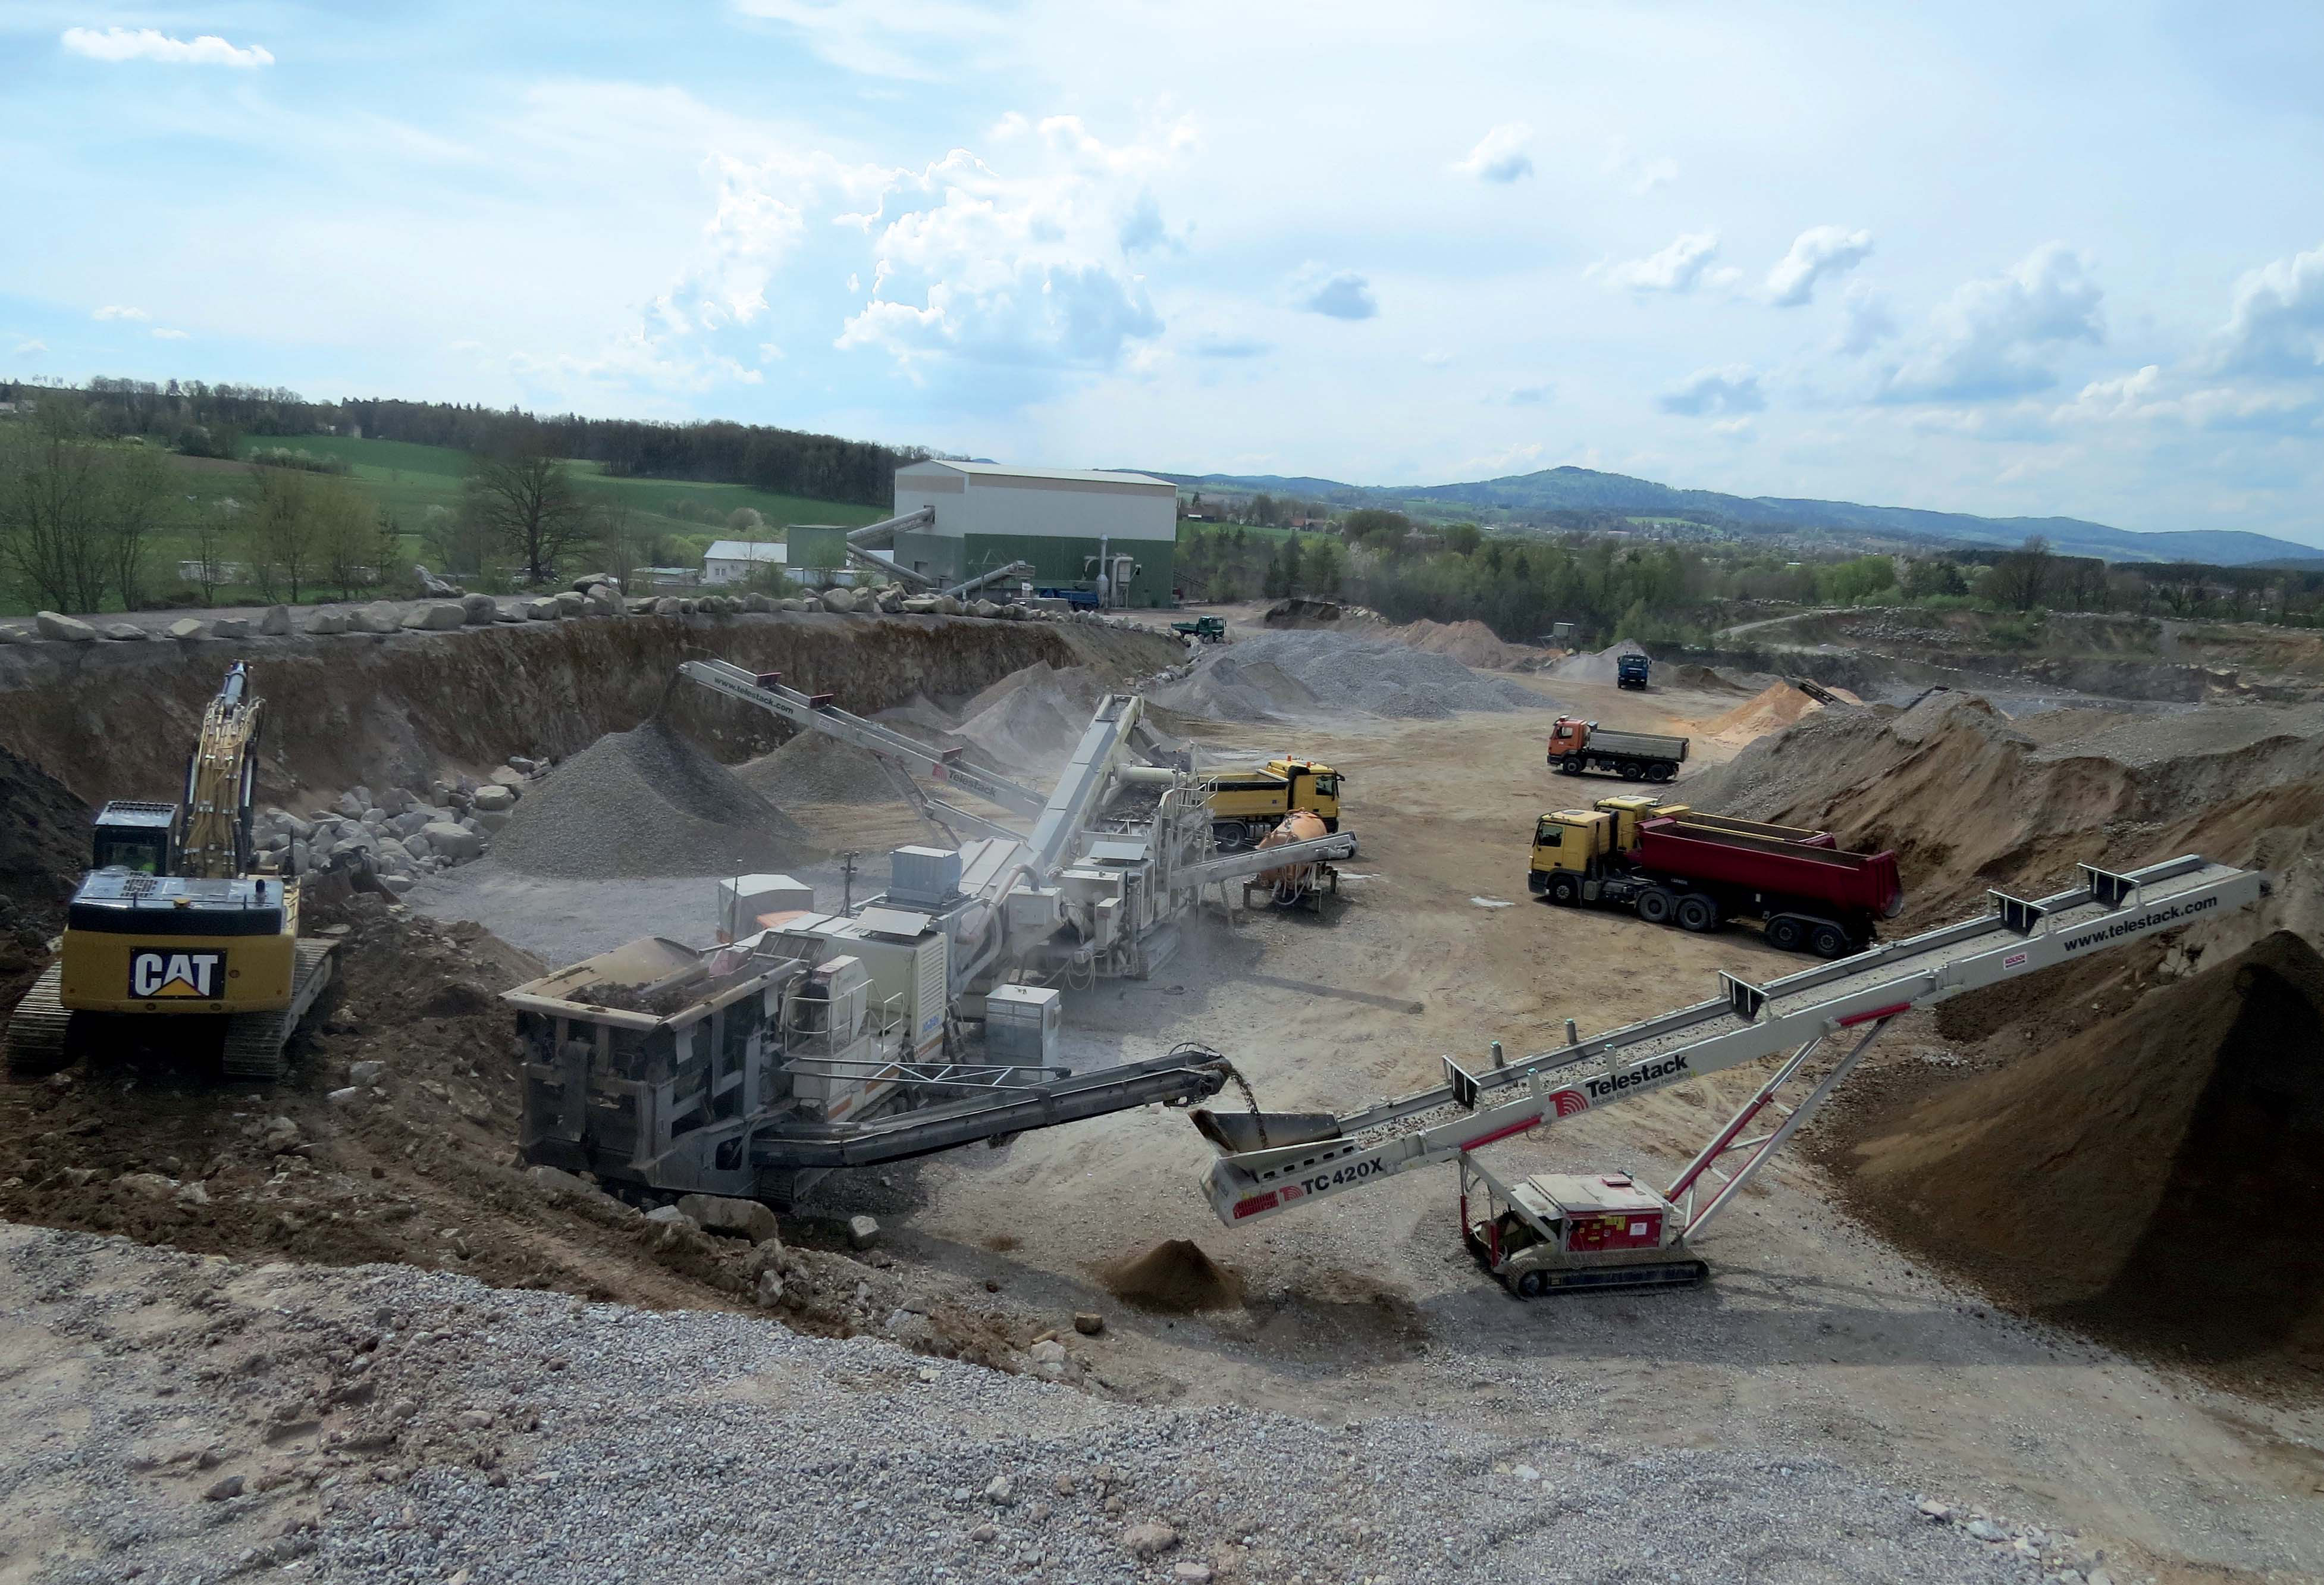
x=1059 y=561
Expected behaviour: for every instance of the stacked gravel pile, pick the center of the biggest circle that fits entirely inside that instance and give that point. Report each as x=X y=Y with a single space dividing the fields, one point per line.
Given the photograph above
x=569 y=1442
x=649 y=803
x=1290 y=675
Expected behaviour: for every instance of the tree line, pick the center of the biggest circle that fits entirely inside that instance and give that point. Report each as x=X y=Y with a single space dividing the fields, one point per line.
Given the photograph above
x=206 y=420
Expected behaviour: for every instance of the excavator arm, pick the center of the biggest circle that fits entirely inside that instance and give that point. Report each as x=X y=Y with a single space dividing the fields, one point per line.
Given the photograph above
x=214 y=836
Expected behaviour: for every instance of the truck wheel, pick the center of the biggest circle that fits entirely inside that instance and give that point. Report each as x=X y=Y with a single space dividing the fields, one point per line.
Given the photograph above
x=1829 y=940
x=1531 y=1284
x=1231 y=834
x=1698 y=913
x=1786 y=933
x=1630 y=771
x=1655 y=905
x=1564 y=890
x=1571 y=764
x=1663 y=771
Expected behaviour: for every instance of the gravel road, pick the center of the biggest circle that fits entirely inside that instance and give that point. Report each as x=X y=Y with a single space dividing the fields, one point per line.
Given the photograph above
x=184 y=1419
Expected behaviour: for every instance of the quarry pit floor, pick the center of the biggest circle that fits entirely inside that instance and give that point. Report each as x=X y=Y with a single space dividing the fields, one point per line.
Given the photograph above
x=1813 y=1332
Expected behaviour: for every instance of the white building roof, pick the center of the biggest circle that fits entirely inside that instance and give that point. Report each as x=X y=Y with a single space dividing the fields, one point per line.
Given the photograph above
x=748 y=551
x=1001 y=471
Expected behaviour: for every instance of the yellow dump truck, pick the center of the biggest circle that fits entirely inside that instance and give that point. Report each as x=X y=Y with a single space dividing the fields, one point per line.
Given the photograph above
x=1249 y=804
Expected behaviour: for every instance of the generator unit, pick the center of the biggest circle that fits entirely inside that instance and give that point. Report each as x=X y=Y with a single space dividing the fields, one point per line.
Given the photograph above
x=1556 y=1231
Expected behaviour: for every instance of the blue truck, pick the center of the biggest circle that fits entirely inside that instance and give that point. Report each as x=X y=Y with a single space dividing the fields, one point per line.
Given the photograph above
x=1080 y=600
x=1630 y=671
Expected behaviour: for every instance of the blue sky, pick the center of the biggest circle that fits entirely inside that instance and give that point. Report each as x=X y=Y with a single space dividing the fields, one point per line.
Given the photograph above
x=1998 y=258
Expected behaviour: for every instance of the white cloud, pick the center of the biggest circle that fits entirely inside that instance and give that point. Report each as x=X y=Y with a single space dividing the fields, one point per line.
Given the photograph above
x=1531 y=395
x=1640 y=175
x=1436 y=357
x=915 y=39
x=1868 y=321
x=1731 y=389
x=121 y=43
x=162 y=333
x=30 y=348
x=1992 y=336
x=2152 y=395
x=1232 y=346
x=2276 y=327
x=1815 y=252
x=1690 y=261
x=1340 y=295
x=1500 y=155
x=1734 y=429
x=113 y=311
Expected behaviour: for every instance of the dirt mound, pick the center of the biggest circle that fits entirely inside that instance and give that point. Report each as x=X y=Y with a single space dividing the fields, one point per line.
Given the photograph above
x=815 y=767
x=1292 y=676
x=1969 y=801
x=2157 y=1179
x=1177 y=1276
x=648 y=802
x=1705 y=680
x=414 y=1167
x=1300 y=612
x=1602 y=667
x=43 y=849
x=1470 y=643
x=1770 y=710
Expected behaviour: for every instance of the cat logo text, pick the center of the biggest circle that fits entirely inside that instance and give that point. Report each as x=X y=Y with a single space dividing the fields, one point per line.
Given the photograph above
x=194 y=976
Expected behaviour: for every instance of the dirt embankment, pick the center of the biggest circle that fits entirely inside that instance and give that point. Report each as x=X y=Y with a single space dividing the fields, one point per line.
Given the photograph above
x=1969 y=801
x=2156 y=1180
x=402 y=710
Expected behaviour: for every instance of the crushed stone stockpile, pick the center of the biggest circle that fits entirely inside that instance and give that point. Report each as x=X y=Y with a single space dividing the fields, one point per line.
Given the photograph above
x=648 y=802
x=1969 y=801
x=2157 y=1179
x=1470 y=643
x=191 y=1420
x=1031 y=719
x=1770 y=710
x=1298 y=675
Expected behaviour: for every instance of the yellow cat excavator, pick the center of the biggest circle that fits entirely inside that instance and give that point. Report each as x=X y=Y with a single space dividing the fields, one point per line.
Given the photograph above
x=174 y=938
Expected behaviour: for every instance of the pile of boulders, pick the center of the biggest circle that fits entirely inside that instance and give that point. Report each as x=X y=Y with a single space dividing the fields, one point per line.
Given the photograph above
x=397 y=835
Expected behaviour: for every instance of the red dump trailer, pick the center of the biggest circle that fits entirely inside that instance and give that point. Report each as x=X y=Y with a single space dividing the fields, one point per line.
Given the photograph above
x=1681 y=871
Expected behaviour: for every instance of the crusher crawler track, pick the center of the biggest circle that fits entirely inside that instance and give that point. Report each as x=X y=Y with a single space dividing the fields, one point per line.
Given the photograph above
x=255 y=1041
x=38 y=1027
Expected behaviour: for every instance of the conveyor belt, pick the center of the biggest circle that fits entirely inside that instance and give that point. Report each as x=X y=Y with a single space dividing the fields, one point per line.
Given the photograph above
x=1747 y=1023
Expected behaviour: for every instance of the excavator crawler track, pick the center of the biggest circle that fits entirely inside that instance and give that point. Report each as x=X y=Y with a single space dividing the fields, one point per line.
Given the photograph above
x=255 y=1041
x=39 y=1030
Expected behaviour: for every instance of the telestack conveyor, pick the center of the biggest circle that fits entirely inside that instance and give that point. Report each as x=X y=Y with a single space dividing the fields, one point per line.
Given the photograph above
x=1549 y=1232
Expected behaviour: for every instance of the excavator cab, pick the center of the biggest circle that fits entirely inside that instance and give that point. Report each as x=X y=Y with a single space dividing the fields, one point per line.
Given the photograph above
x=140 y=837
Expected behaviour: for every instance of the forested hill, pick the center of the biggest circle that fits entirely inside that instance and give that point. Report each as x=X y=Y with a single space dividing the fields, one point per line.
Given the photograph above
x=784 y=462
x=1572 y=489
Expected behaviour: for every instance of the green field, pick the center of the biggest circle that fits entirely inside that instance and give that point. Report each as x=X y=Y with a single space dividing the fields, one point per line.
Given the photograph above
x=407 y=480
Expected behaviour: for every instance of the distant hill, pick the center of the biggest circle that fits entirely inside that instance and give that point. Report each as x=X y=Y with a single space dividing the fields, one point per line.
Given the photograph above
x=1582 y=489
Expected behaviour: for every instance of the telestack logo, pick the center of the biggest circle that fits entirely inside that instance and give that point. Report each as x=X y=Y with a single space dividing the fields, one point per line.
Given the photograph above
x=194 y=976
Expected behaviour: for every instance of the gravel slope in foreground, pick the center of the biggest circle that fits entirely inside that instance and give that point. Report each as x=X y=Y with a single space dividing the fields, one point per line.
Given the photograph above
x=199 y=1420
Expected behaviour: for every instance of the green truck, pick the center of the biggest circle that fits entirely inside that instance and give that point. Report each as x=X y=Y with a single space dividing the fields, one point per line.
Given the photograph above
x=1209 y=629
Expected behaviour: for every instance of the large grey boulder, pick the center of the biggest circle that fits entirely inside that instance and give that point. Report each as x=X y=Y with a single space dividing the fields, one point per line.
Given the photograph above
x=668 y=606
x=190 y=627
x=570 y=603
x=984 y=608
x=328 y=621
x=436 y=617
x=604 y=601
x=126 y=632
x=743 y=1219
x=455 y=842
x=230 y=627
x=276 y=622
x=794 y=605
x=478 y=609
x=583 y=585
x=759 y=603
x=891 y=600
x=496 y=799
x=541 y=609
x=64 y=629
x=17 y=636
x=946 y=605
x=842 y=600
x=379 y=617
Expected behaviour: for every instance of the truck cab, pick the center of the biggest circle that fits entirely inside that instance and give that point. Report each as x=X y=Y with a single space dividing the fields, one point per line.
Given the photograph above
x=1246 y=801
x=1570 y=842
x=1630 y=670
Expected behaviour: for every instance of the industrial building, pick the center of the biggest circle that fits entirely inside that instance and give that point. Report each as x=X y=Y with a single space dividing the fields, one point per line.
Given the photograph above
x=1061 y=520
x=734 y=560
